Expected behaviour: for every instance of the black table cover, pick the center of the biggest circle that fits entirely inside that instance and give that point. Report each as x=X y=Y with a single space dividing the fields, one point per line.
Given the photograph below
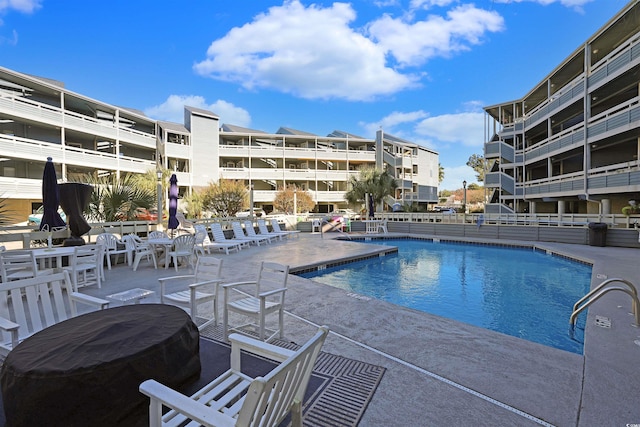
x=86 y=371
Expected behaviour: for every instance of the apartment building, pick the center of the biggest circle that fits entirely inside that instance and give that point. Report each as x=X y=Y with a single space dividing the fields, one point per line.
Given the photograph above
x=40 y=118
x=571 y=144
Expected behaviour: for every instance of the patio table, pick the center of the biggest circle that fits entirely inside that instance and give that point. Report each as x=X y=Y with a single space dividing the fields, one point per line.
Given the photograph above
x=87 y=370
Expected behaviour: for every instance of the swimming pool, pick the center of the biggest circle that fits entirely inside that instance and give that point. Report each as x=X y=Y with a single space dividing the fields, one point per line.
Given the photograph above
x=520 y=292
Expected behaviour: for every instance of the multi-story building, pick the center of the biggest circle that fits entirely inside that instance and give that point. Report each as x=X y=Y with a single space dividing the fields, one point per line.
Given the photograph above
x=571 y=144
x=39 y=118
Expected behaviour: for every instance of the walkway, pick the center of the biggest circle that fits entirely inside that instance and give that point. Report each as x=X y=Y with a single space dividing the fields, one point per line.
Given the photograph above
x=442 y=372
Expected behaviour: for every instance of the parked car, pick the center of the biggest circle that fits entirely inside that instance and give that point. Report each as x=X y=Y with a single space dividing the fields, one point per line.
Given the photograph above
x=143 y=214
x=448 y=211
x=36 y=218
x=257 y=212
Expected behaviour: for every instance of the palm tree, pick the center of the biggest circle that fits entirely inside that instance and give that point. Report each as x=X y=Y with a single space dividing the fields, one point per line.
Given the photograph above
x=116 y=199
x=379 y=184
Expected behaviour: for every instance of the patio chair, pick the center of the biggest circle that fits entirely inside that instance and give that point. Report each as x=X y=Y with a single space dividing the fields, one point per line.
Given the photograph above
x=183 y=247
x=140 y=249
x=220 y=238
x=85 y=266
x=251 y=232
x=19 y=264
x=113 y=246
x=275 y=225
x=268 y=297
x=28 y=306
x=203 y=288
x=238 y=234
x=236 y=399
x=382 y=226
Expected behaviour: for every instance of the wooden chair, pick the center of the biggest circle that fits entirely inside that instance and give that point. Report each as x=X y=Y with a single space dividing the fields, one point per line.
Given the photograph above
x=236 y=399
x=113 y=246
x=203 y=288
x=269 y=290
x=27 y=306
x=139 y=249
x=17 y=264
x=85 y=266
x=183 y=247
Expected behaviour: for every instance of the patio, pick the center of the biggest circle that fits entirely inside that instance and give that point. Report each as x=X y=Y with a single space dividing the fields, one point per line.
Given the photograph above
x=440 y=371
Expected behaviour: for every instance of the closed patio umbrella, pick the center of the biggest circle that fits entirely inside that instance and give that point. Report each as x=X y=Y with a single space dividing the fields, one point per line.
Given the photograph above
x=173 y=202
x=371 y=206
x=50 y=198
x=74 y=198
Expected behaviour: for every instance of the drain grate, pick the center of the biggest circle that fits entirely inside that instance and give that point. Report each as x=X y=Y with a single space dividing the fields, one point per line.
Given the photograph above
x=603 y=322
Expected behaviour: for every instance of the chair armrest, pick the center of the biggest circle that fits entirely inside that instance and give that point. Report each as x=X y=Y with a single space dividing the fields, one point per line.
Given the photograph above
x=185 y=405
x=90 y=300
x=186 y=276
x=234 y=284
x=11 y=327
x=8 y=325
x=275 y=291
x=208 y=282
x=242 y=342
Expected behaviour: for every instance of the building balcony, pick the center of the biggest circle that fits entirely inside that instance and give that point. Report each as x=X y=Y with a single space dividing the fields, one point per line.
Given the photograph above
x=563 y=185
x=57 y=117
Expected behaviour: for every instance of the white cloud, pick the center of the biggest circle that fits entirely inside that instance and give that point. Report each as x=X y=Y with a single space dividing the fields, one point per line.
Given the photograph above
x=313 y=52
x=464 y=128
x=412 y=44
x=453 y=177
x=24 y=6
x=172 y=110
x=390 y=122
x=310 y=52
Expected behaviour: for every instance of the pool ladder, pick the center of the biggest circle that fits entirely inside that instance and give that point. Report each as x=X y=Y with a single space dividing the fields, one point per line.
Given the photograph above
x=598 y=292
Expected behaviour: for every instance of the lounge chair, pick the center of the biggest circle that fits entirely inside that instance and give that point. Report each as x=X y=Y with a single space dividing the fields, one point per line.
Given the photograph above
x=251 y=232
x=220 y=238
x=205 y=245
x=276 y=229
x=264 y=230
x=237 y=399
x=238 y=234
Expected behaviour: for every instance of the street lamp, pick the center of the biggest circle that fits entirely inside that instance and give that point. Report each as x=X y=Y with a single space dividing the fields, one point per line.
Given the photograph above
x=160 y=197
x=464 y=200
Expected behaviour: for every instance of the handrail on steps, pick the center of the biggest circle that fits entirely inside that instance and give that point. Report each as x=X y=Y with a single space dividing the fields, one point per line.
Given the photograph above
x=592 y=296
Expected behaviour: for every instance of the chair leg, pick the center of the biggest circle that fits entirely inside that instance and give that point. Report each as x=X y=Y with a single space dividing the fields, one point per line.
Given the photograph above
x=281 y=322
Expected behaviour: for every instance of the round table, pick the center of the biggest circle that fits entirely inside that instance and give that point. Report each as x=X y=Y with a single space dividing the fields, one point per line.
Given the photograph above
x=87 y=370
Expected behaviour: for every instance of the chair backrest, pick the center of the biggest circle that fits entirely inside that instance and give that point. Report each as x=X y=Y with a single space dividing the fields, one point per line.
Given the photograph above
x=238 y=232
x=275 y=225
x=270 y=398
x=184 y=243
x=248 y=227
x=86 y=254
x=35 y=304
x=208 y=268
x=262 y=226
x=17 y=264
x=129 y=242
x=272 y=274
x=218 y=234
x=158 y=235
x=109 y=241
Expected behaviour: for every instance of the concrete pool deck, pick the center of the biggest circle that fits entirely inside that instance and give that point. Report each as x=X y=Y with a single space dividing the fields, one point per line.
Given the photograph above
x=442 y=372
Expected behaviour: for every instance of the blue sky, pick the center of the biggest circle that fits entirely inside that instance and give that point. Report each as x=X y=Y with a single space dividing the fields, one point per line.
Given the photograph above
x=419 y=69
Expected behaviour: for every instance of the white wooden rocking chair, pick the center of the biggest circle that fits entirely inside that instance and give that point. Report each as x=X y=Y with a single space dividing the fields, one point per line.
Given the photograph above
x=234 y=398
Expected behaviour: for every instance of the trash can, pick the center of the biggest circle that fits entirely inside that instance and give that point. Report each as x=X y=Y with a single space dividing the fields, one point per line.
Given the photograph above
x=597 y=234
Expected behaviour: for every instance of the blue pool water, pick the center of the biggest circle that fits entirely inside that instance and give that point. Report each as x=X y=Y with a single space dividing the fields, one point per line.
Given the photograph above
x=520 y=292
